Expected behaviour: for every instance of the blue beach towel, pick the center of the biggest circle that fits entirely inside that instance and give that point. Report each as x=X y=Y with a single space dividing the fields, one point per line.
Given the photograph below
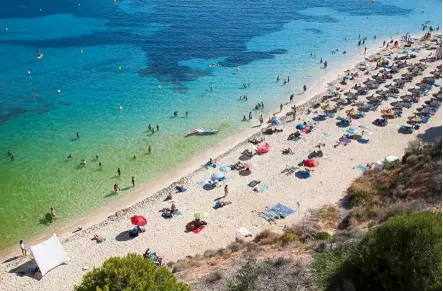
x=282 y=210
x=208 y=166
x=263 y=188
x=362 y=168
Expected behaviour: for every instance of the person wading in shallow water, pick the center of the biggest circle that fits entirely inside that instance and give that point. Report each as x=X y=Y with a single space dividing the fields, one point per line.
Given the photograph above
x=133 y=181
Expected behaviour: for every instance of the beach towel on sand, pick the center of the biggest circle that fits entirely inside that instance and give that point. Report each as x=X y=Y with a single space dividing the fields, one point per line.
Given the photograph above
x=177 y=213
x=361 y=167
x=276 y=212
x=197 y=230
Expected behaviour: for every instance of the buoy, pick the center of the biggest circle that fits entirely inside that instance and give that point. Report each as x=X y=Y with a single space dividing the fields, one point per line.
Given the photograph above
x=59 y=91
x=121 y=107
x=119 y=68
x=6 y=29
x=81 y=51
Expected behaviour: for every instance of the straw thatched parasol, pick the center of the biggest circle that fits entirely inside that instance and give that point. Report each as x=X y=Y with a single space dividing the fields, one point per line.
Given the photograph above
x=329 y=108
x=352 y=111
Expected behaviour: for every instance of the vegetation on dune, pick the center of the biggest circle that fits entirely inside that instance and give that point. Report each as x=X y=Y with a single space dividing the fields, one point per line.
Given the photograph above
x=402 y=254
x=132 y=272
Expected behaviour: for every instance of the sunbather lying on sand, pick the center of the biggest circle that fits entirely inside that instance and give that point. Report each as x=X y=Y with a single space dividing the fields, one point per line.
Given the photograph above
x=196 y=223
x=287 y=151
x=294 y=135
x=237 y=166
x=255 y=140
x=220 y=204
x=98 y=238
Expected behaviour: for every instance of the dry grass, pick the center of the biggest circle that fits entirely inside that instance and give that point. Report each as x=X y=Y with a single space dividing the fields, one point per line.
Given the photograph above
x=266 y=237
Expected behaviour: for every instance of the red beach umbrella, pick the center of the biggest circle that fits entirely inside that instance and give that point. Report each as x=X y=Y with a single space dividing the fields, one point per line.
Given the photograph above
x=139 y=220
x=310 y=163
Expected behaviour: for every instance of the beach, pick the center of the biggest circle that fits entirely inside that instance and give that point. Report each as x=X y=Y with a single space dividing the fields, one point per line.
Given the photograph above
x=327 y=183
x=118 y=72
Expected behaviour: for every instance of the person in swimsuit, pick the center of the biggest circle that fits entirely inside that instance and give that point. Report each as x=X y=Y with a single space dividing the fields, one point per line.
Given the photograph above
x=133 y=181
x=119 y=172
x=53 y=213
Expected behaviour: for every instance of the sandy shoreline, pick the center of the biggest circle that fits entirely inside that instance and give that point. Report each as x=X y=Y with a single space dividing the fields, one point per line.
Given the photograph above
x=165 y=181
x=327 y=185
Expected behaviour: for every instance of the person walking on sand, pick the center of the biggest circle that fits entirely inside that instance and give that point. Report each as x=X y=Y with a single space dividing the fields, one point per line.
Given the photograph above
x=261 y=119
x=281 y=107
x=226 y=191
x=119 y=172
x=22 y=247
x=133 y=181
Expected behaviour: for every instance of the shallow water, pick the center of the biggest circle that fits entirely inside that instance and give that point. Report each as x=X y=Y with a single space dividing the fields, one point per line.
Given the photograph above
x=163 y=43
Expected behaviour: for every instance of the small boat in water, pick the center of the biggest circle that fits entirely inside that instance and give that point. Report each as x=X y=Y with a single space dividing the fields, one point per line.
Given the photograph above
x=201 y=131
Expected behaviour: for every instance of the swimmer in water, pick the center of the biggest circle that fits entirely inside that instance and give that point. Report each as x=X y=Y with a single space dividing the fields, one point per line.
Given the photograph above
x=175 y=113
x=186 y=114
x=149 y=127
x=321 y=60
x=53 y=213
x=100 y=165
x=158 y=127
x=9 y=153
x=134 y=157
x=119 y=172
x=250 y=115
x=244 y=117
x=278 y=78
x=133 y=181
x=96 y=157
x=70 y=156
x=149 y=150
x=12 y=157
x=78 y=134
x=304 y=88
x=152 y=131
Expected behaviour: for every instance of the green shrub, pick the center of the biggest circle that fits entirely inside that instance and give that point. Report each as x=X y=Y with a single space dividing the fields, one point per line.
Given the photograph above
x=288 y=238
x=132 y=272
x=322 y=235
x=246 y=278
x=402 y=254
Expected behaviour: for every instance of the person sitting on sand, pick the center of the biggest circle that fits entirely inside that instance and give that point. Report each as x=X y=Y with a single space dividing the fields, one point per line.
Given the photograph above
x=220 y=204
x=180 y=188
x=196 y=223
x=173 y=208
x=169 y=197
x=210 y=162
x=287 y=151
x=98 y=238
x=147 y=254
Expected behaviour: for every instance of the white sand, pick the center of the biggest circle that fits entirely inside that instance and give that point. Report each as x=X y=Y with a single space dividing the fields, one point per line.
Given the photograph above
x=167 y=237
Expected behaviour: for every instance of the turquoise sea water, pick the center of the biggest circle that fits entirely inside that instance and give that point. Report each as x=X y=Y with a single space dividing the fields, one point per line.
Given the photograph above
x=156 y=43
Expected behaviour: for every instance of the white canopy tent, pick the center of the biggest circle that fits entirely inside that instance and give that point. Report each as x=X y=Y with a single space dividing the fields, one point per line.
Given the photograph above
x=49 y=254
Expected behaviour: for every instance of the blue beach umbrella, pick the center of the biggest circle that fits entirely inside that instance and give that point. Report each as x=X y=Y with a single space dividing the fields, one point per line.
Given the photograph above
x=300 y=126
x=217 y=176
x=276 y=122
x=225 y=169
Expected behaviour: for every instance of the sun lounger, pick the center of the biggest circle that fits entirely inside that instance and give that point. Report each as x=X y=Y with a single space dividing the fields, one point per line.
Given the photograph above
x=253 y=183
